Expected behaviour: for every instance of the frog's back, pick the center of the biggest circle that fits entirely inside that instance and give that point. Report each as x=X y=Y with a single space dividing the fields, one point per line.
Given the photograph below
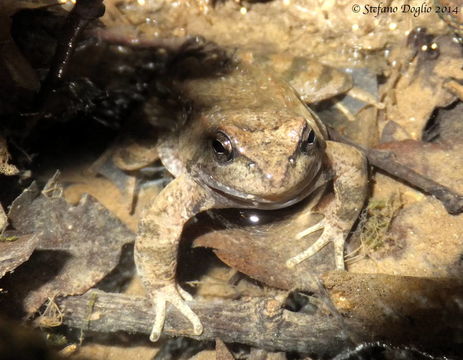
x=251 y=91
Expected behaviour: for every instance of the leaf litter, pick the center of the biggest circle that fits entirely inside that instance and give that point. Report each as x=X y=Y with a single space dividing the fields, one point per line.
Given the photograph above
x=76 y=246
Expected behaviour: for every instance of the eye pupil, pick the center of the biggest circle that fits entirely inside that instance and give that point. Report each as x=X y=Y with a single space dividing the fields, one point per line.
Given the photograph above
x=222 y=147
x=218 y=147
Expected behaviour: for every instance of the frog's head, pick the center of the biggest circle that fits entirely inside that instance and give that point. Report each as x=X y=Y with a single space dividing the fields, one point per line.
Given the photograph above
x=266 y=160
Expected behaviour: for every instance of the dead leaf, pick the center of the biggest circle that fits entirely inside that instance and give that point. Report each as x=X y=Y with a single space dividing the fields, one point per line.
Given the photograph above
x=440 y=163
x=221 y=351
x=78 y=246
x=261 y=251
x=15 y=252
x=420 y=89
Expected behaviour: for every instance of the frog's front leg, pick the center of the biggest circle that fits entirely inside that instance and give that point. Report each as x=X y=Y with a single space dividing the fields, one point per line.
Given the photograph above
x=350 y=188
x=157 y=243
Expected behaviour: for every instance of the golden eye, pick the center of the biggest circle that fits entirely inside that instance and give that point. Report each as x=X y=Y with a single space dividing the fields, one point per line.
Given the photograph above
x=308 y=140
x=222 y=147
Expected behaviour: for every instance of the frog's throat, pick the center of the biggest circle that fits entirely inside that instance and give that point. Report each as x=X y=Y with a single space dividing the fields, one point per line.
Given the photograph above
x=244 y=200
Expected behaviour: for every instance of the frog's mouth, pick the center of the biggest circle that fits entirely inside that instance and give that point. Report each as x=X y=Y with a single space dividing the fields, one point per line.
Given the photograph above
x=244 y=200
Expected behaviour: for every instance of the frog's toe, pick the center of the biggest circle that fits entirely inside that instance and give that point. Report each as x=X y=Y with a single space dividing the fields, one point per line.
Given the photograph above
x=310 y=251
x=339 y=243
x=311 y=229
x=184 y=294
x=155 y=334
x=176 y=296
x=160 y=317
x=330 y=234
x=181 y=306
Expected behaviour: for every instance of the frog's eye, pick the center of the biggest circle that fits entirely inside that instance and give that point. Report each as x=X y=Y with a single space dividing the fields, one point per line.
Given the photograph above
x=222 y=147
x=308 y=140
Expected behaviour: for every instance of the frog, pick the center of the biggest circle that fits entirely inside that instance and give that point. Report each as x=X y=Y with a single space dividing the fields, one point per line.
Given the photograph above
x=250 y=142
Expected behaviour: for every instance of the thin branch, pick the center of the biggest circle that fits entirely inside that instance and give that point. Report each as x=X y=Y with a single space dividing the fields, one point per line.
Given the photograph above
x=83 y=12
x=384 y=160
x=400 y=310
x=260 y=322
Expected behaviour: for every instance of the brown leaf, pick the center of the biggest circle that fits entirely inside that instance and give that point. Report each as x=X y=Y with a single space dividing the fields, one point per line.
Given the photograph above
x=413 y=96
x=15 y=252
x=261 y=251
x=78 y=246
x=440 y=163
x=221 y=351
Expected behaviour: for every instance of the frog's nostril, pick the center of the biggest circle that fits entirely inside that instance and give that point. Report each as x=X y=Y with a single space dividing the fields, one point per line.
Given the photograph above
x=308 y=140
x=311 y=137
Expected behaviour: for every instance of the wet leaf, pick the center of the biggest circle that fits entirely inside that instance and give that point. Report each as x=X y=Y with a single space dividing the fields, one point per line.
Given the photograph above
x=413 y=96
x=440 y=163
x=77 y=245
x=14 y=250
x=261 y=251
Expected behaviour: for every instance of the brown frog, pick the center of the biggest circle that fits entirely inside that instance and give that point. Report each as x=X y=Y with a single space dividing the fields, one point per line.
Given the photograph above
x=249 y=142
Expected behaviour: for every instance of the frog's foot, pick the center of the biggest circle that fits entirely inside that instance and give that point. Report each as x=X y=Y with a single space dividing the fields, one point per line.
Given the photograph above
x=175 y=295
x=330 y=234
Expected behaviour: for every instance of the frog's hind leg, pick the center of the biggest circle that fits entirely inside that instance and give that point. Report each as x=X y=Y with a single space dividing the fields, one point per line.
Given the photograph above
x=350 y=188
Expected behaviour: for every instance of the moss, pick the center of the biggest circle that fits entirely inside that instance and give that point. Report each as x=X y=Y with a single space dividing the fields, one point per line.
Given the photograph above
x=376 y=221
x=374 y=225
x=4 y=238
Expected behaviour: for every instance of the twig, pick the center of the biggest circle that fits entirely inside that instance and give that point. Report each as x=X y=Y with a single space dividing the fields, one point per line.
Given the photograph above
x=80 y=16
x=384 y=160
x=259 y=321
x=400 y=310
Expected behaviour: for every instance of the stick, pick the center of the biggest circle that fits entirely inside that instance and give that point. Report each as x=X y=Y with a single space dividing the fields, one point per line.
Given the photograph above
x=384 y=160
x=259 y=322
x=400 y=310
x=77 y=20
